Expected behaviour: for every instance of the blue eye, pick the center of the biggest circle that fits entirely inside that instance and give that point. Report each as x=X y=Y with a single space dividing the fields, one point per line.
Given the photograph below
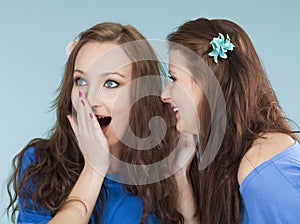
x=80 y=82
x=111 y=84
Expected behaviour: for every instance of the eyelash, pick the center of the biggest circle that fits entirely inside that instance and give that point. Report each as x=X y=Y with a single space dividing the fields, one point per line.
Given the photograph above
x=172 y=78
x=76 y=80
x=112 y=81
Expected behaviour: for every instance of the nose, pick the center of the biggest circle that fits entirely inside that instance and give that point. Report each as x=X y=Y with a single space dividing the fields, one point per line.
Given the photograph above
x=94 y=97
x=166 y=94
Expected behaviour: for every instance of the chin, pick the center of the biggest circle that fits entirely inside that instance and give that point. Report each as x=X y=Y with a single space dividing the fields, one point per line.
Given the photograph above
x=112 y=140
x=186 y=129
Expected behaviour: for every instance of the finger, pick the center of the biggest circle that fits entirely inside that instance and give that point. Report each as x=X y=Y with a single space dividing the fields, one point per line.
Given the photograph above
x=88 y=116
x=88 y=121
x=84 y=113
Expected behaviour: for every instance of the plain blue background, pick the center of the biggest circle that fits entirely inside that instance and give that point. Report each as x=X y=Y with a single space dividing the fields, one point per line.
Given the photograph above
x=34 y=34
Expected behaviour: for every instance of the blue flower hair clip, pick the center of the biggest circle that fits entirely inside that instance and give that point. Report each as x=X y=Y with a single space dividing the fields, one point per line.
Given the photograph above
x=220 y=47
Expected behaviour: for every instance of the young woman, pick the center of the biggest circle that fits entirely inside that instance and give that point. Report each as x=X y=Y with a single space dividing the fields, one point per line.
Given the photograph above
x=253 y=175
x=72 y=176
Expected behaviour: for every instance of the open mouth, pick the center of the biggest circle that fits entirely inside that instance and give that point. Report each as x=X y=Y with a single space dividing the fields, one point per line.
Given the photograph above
x=104 y=122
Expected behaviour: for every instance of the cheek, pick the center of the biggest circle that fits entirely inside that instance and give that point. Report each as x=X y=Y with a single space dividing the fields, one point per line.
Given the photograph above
x=75 y=95
x=116 y=102
x=179 y=95
x=195 y=99
x=197 y=92
x=185 y=98
x=120 y=107
x=109 y=99
x=174 y=93
x=73 y=92
x=120 y=101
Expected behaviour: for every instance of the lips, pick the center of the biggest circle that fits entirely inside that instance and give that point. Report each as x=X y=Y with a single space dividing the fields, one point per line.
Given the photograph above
x=103 y=122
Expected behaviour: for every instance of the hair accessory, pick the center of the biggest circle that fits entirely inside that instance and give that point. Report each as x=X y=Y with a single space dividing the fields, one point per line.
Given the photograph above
x=71 y=46
x=220 y=47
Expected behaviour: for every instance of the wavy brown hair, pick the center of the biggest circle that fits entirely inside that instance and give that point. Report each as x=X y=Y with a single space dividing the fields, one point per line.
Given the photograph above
x=59 y=161
x=251 y=110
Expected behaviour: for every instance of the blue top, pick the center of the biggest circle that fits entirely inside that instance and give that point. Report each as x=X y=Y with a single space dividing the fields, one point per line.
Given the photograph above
x=120 y=207
x=271 y=192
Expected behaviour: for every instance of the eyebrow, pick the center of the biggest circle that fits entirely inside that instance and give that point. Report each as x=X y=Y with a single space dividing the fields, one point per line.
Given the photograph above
x=171 y=72
x=105 y=74
x=79 y=71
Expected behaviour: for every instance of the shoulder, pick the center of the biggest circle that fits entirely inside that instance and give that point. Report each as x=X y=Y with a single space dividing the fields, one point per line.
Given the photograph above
x=35 y=147
x=262 y=150
x=28 y=213
x=27 y=159
x=29 y=155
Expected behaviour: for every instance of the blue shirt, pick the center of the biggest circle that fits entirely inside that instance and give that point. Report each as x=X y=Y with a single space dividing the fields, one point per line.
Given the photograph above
x=120 y=207
x=271 y=192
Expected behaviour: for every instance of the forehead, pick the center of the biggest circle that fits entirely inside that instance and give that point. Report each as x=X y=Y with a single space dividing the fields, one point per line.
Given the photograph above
x=177 y=62
x=90 y=51
x=95 y=57
x=176 y=57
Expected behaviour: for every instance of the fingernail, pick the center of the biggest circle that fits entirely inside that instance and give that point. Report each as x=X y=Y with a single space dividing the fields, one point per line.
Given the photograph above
x=82 y=101
x=80 y=93
x=91 y=115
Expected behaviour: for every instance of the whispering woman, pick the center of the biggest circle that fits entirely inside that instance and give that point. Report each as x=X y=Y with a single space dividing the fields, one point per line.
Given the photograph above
x=247 y=169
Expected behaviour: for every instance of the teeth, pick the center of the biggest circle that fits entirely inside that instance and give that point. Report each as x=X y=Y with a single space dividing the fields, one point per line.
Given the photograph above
x=175 y=109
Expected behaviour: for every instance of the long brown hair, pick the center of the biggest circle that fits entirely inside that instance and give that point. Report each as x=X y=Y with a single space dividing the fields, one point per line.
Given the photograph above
x=59 y=161
x=251 y=110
